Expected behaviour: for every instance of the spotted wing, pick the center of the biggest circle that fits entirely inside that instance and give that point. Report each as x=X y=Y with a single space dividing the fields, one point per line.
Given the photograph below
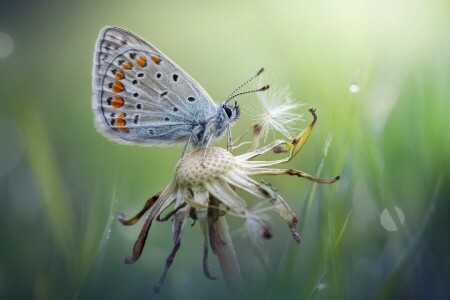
x=140 y=95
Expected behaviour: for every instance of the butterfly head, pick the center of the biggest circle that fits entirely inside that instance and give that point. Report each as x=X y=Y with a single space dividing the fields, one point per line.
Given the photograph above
x=229 y=113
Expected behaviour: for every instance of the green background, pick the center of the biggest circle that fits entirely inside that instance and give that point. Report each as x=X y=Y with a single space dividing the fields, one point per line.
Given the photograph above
x=381 y=232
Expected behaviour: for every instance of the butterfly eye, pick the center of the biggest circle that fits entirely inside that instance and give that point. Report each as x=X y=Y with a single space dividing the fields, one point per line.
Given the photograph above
x=228 y=111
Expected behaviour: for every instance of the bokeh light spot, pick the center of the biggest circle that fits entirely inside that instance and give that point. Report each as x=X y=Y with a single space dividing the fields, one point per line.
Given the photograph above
x=389 y=222
x=353 y=88
x=6 y=44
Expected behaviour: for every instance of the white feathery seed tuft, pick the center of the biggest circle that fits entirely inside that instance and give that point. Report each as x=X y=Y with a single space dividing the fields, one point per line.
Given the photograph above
x=276 y=110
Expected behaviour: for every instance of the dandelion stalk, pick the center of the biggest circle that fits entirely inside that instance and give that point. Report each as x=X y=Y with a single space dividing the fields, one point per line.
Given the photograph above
x=223 y=247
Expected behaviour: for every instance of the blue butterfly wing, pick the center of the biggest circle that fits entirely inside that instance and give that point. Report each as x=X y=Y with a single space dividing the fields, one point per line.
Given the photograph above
x=141 y=96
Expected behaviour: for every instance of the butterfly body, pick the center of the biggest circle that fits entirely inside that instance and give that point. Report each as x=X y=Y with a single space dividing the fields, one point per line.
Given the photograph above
x=141 y=97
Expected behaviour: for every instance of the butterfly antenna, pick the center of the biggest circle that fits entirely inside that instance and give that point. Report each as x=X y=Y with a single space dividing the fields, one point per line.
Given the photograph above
x=233 y=94
x=245 y=83
x=266 y=87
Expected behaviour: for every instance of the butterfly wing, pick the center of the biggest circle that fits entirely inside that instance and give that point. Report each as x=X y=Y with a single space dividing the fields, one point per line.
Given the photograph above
x=140 y=95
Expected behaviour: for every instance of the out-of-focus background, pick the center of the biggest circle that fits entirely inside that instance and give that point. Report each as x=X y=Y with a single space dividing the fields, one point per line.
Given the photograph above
x=378 y=73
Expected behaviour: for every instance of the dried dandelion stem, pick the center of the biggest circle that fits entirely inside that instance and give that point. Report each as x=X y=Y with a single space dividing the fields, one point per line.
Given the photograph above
x=223 y=247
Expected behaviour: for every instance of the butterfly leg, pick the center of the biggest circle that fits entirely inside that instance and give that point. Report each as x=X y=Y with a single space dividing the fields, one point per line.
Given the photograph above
x=180 y=162
x=229 y=143
x=206 y=149
x=185 y=149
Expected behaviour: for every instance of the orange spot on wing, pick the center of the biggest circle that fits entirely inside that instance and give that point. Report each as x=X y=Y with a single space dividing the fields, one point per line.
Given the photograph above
x=156 y=59
x=119 y=75
x=127 y=66
x=117 y=102
x=120 y=122
x=141 y=61
x=118 y=87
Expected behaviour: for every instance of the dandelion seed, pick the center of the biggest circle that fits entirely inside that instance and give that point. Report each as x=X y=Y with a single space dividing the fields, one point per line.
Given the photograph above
x=257 y=225
x=276 y=111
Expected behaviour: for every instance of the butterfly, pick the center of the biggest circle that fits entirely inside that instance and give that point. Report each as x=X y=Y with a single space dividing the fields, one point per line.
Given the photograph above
x=141 y=97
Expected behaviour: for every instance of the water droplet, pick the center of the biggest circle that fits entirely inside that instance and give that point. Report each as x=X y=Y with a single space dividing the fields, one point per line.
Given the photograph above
x=390 y=223
x=353 y=88
x=321 y=286
x=6 y=44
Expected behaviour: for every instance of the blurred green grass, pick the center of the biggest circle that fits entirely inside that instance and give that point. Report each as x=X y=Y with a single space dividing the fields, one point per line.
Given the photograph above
x=61 y=183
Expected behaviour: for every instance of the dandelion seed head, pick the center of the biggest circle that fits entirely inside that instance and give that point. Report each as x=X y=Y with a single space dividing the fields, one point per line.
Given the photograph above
x=217 y=162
